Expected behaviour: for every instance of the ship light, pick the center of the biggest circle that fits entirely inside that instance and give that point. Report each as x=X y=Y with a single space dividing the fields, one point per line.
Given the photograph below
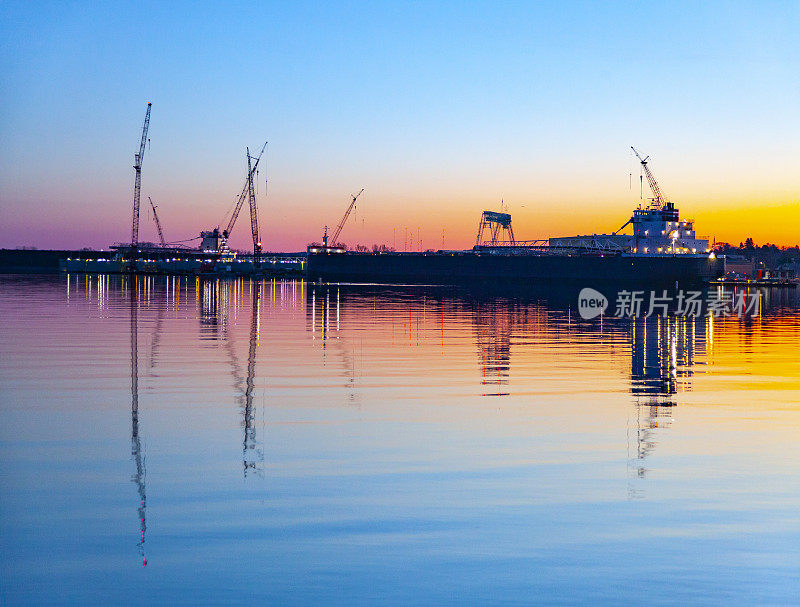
x=712 y=256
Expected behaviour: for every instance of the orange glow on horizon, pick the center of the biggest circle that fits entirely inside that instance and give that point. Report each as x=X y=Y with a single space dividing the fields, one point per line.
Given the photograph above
x=394 y=223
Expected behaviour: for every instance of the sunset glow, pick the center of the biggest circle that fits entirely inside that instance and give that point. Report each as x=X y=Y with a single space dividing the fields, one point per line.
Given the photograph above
x=438 y=111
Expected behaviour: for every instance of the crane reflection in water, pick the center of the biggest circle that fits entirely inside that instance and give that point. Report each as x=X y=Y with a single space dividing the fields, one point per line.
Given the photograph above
x=251 y=455
x=218 y=297
x=139 y=477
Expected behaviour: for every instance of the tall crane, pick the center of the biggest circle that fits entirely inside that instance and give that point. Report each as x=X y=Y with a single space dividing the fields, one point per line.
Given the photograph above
x=248 y=186
x=137 y=188
x=658 y=197
x=251 y=195
x=158 y=223
x=338 y=230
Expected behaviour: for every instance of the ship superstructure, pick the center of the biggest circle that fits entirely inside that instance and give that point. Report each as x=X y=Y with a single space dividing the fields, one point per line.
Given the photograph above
x=657 y=228
x=661 y=230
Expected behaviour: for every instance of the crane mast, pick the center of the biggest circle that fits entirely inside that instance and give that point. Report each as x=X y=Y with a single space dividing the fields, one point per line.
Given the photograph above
x=158 y=223
x=251 y=194
x=137 y=188
x=658 y=197
x=339 y=227
x=245 y=194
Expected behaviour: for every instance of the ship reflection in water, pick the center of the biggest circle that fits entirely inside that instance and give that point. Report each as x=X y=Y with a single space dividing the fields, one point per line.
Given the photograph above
x=274 y=436
x=662 y=349
x=663 y=352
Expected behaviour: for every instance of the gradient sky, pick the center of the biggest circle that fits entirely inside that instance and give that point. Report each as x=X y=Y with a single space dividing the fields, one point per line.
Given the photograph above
x=438 y=110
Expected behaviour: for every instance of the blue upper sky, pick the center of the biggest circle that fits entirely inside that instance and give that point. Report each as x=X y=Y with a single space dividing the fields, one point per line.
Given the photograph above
x=438 y=109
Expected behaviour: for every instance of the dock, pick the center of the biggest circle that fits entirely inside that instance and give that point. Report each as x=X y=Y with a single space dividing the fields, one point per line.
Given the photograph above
x=782 y=283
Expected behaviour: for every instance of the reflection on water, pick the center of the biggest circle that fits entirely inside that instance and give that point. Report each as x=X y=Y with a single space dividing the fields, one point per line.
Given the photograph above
x=139 y=477
x=544 y=492
x=663 y=351
x=494 y=323
x=323 y=322
x=251 y=455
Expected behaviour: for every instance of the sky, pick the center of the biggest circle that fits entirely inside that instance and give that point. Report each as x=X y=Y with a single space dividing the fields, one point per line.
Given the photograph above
x=438 y=110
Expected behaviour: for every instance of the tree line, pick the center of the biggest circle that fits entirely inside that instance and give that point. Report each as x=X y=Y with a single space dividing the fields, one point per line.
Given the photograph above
x=771 y=255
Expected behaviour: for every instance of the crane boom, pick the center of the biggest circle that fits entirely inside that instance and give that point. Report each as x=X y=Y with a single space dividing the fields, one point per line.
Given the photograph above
x=244 y=194
x=334 y=238
x=251 y=195
x=158 y=223
x=137 y=188
x=658 y=197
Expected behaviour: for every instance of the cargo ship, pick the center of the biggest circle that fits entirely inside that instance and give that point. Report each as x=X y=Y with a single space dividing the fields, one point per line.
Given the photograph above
x=662 y=251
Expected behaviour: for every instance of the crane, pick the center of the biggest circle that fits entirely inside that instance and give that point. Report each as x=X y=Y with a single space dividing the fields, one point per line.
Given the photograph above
x=658 y=197
x=251 y=195
x=342 y=222
x=245 y=195
x=158 y=223
x=137 y=188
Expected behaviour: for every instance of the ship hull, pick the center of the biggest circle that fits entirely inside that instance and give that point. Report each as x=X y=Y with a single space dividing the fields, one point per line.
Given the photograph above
x=469 y=267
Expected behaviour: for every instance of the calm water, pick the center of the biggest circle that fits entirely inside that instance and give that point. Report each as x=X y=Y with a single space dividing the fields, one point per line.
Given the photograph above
x=174 y=441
